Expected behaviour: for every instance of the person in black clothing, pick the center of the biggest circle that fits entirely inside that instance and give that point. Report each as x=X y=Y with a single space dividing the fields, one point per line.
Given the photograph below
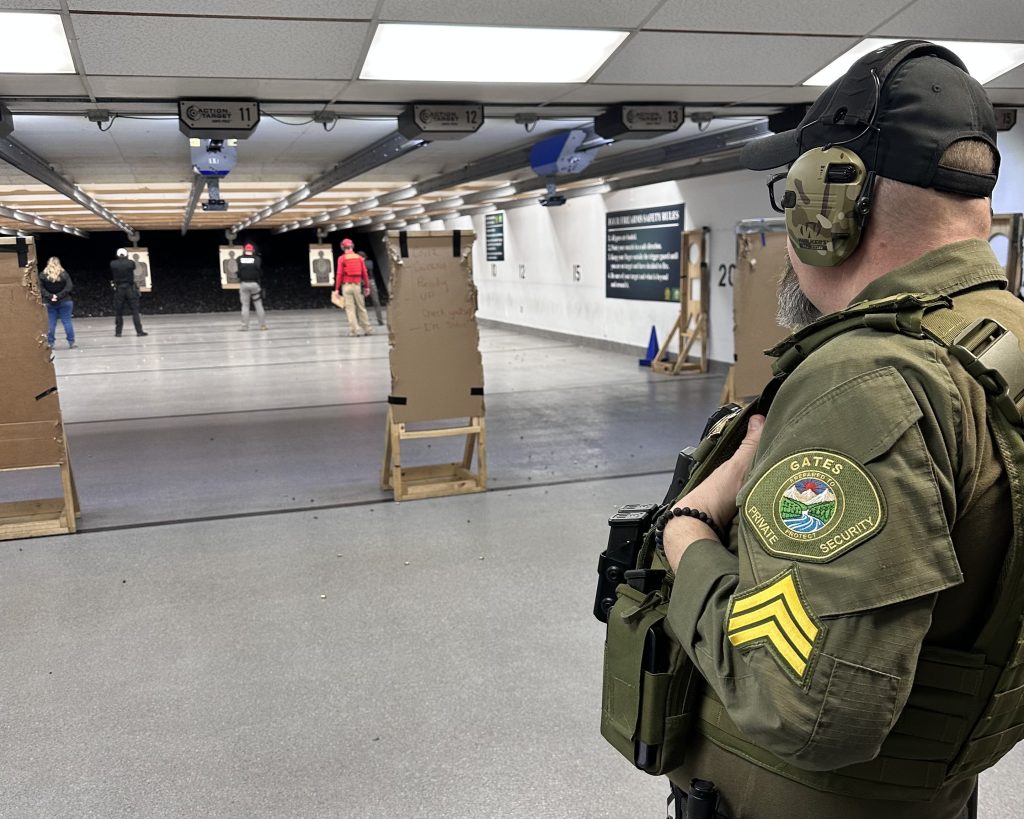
x=122 y=278
x=250 y=286
x=55 y=290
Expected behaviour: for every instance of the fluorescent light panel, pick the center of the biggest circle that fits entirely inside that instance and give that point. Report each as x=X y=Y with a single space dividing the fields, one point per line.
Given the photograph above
x=984 y=61
x=412 y=52
x=33 y=44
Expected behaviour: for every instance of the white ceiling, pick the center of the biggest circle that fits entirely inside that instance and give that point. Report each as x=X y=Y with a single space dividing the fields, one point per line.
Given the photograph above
x=137 y=57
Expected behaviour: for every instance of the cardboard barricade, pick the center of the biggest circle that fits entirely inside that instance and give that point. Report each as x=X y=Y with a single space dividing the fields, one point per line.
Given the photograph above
x=436 y=369
x=31 y=429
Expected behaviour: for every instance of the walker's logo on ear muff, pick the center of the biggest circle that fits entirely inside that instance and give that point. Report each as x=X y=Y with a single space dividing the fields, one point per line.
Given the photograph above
x=825 y=205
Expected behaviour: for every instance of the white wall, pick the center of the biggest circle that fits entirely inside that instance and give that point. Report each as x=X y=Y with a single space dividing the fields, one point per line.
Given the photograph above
x=548 y=242
x=1008 y=197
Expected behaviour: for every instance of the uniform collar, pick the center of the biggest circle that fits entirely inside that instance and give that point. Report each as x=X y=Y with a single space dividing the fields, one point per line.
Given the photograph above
x=930 y=280
x=946 y=271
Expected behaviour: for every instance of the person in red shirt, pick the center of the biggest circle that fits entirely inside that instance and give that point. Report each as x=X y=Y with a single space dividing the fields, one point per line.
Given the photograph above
x=354 y=284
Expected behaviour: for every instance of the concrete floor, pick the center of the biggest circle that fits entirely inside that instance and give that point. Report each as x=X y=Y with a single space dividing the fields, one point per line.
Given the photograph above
x=248 y=627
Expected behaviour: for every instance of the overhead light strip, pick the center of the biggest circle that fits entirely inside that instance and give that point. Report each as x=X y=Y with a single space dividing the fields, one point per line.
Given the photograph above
x=414 y=52
x=16 y=154
x=379 y=153
x=39 y=221
x=34 y=43
x=984 y=61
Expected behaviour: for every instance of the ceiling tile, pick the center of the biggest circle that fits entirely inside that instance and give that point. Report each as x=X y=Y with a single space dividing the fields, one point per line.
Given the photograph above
x=1005 y=96
x=711 y=59
x=1011 y=79
x=790 y=17
x=186 y=47
x=601 y=94
x=30 y=5
x=300 y=9
x=404 y=92
x=175 y=87
x=995 y=20
x=573 y=13
x=40 y=85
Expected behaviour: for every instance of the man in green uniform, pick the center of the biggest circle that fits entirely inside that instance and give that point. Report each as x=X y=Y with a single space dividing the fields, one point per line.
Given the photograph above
x=859 y=620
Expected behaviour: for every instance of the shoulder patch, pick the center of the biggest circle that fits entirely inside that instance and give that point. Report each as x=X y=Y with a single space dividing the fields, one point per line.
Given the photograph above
x=814 y=506
x=776 y=615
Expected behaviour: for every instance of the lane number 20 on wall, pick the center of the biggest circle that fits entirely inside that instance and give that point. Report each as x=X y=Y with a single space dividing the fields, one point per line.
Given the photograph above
x=725 y=274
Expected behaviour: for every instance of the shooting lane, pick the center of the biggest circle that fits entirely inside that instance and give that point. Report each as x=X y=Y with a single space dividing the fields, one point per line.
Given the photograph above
x=436 y=370
x=245 y=622
x=31 y=426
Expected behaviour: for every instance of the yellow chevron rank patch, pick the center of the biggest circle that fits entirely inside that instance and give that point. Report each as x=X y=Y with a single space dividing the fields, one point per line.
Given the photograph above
x=775 y=615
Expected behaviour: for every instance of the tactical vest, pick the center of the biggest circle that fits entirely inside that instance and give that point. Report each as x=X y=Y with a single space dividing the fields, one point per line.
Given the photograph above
x=966 y=708
x=352 y=267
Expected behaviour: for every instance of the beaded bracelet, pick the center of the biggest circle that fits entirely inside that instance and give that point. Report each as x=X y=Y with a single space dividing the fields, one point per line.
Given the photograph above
x=685 y=511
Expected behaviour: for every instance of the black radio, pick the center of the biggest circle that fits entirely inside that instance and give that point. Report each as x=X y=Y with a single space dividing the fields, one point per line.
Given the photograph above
x=628 y=527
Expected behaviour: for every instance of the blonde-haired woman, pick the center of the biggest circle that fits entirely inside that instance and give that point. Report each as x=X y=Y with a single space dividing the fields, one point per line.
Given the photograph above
x=55 y=289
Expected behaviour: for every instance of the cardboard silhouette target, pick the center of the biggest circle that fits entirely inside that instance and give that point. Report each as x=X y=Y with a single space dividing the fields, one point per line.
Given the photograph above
x=31 y=426
x=436 y=369
x=143 y=272
x=321 y=266
x=228 y=266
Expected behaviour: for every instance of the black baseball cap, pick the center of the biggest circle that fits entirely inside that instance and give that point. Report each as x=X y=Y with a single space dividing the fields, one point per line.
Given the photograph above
x=927 y=102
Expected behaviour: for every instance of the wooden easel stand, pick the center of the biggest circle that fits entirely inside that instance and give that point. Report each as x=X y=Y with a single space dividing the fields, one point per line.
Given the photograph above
x=438 y=480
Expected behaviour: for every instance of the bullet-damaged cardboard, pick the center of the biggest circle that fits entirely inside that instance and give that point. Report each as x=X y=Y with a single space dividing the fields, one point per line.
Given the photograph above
x=30 y=428
x=436 y=369
x=760 y=260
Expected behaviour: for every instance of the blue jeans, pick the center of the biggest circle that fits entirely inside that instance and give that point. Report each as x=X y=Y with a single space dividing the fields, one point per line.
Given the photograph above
x=61 y=310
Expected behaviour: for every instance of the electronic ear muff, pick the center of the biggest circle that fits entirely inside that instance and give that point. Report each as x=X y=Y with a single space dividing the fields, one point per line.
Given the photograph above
x=827 y=201
x=828 y=194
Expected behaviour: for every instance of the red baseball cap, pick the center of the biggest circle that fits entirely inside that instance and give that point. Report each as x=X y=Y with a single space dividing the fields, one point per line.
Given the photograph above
x=347 y=243
x=248 y=246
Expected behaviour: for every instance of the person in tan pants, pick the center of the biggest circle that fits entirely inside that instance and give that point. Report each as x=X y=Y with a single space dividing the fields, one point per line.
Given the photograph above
x=354 y=284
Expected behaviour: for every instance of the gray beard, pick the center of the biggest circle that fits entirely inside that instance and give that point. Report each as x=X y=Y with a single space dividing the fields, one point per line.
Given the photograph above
x=795 y=310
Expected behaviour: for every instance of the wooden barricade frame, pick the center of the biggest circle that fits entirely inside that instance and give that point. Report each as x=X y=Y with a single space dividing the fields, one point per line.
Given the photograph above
x=45 y=516
x=431 y=414
x=692 y=324
x=437 y=480
x=37 y=441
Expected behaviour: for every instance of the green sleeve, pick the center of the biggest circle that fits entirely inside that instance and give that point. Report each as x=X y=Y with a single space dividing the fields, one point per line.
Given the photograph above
x=811 y=640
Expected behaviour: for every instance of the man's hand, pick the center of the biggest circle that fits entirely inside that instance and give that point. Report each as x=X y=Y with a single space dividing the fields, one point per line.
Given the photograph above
x=716 y=495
